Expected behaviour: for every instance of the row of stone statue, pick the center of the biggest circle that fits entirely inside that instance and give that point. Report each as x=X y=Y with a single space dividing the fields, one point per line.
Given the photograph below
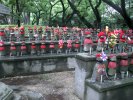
x=41 y=48
x=112 y=42
x=112 y=67
x=49 y=33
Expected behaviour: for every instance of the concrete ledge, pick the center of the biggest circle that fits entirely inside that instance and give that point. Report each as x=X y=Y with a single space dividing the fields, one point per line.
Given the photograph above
x=114 y=90
x=109 y=85
x=35 y=57
x=27 y=65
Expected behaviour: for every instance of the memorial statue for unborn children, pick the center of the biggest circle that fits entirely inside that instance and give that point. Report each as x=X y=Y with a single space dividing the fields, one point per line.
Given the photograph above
x=99 y=71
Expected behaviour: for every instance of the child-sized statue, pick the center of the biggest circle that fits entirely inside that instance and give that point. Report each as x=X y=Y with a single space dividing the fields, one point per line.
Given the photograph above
x=30 y=34
x=22 y=33
x=69 y=46
x=13 y=50
x=60 y=46
x=101 y=41
x=124 y=65
x=23 y=49
x=99 y=70
x=88 y=44
x=33 y=48
x=112 y=65
x=43 y=48
x=2 y=48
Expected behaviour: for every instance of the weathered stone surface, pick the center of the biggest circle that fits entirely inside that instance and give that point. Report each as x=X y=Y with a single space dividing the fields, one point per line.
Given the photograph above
x=49 y=67
x=11 y=66
x=110 y=90
x=32 y=95
x=61 y=64
x=35 y=66
x=82 y=72
x=71 y=62
x=5 y=92
x=8 y=67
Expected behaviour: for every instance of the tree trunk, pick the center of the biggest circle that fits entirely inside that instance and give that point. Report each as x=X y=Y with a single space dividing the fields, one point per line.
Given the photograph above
x=18 y=12
x=96 y=13
x=122 y=11
x=63 y=13
x=82 y=18
x=12 y=18
x=28 y=17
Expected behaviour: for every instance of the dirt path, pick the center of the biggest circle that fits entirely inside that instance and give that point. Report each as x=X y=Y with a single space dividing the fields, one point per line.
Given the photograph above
x=53 y=86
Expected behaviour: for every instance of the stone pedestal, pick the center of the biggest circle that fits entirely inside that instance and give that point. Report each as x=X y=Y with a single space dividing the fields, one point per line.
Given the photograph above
x=107 y=90
x=110 y=90
x=83 y=71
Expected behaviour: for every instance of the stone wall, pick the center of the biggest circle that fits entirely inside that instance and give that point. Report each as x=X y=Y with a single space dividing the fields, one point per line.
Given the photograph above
x=25 y=65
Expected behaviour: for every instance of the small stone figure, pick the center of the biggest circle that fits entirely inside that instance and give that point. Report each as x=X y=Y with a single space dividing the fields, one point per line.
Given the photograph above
x=130 y=40
x=112 y=65
x=44 y=36
x=101 y=41
x=43 y=48
x=13 y=50
x=99 y=70
x=131 y=64
x=88 y=43
x=40 y=33
x=35 y=30
x=60 y=46
x=52 y=47
x=12 y=35
x=2 y=48
x=23 y=49
x=33 y=48
x=22 y=33
x=17 y=35
x=35 y=33
x=122 y=41
x=69 y=46
x=124 y=65
x=30 y=34
x=77 y=45
x=2 y=34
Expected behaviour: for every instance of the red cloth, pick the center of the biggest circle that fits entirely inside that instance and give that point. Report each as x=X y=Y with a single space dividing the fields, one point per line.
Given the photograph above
x=124 y=63
x=33 y=47
x=77 y=45
x=130 y=41
x=87 y=32
x=51 y=46
x=101 y=34
x=131 y=62
x=103 y=39
x=69 y=43
x=122 y=39
x=23 y=47
x=2 y=34
x=112 y=65
x=88 y=41
x=2 y=48
x=12 y=48
x=101 y=68
x=43 y=46
x=60 y=44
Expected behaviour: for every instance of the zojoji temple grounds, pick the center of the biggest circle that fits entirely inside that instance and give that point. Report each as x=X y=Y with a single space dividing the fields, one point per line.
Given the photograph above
x=66 y=49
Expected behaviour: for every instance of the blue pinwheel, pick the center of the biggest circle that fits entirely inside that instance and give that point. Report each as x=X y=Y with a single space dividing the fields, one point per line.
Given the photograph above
x=103 y=56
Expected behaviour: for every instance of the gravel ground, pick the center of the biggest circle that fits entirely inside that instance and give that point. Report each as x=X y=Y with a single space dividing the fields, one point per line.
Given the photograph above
x=53 y=86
